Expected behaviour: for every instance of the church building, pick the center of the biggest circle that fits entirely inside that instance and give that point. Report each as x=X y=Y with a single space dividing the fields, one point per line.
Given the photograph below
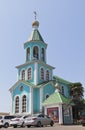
x=37 y=90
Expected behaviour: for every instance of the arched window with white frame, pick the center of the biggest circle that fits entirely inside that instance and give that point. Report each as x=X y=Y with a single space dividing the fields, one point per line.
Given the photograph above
x=23 y=75
x=47 y=75
x=28 y=54
x=42 y=73
x=24 y=100
x=17 y=104
x=29 y=73
x=35 y=53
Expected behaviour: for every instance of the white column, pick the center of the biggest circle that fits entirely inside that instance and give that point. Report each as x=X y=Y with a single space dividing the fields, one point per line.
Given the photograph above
x=20 y=104
x=36 y=73
x=41 y=98
x=31 y=101
x=26 y=75
x=60 y=114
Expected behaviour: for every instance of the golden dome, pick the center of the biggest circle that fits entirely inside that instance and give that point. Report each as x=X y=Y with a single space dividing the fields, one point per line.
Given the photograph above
x=35 y=24
x=56 y=86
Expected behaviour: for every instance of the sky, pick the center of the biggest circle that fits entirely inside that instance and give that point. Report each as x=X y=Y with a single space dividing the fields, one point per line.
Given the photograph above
x=62 y=26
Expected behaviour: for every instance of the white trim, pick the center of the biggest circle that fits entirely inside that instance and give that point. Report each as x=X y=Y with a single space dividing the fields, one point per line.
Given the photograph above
x=36 y=73
x=38 y=51
x=49 y=74
x=21 y=103
x=27 y=73
x=29 y=53
x=41 y=98
x=31 y=101
x=33 y=61
x=60 y=111
x=60 y=114
x=21 y=73
x=40 y=72
x=14 y=104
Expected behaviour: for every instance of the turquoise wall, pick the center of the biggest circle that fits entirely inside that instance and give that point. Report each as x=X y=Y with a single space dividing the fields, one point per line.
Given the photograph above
x=36 y=100
x=17 y=92
x=32 y=44
x=45 y=68
x=33 y=67
x=25 y=68
x=48 y=89
x=66 y=88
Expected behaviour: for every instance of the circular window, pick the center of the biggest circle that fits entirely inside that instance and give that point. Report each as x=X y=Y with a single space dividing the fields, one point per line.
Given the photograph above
x=47 y=96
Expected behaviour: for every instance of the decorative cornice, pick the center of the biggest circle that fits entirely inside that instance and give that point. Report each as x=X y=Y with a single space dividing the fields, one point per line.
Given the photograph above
x=34 y=42
x=38 y=61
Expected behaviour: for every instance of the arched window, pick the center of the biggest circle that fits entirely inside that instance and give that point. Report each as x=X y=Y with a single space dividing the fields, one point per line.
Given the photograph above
x=47 y=75
x=35 y=53
x=24 y=103
x=42 y=73
x=28 y=54
x=23 y=75
x=17 y=104
x=63 y=90
x=29 y=73
x=42 y=54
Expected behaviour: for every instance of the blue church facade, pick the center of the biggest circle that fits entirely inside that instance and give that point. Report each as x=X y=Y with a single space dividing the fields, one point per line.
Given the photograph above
x=36 y=83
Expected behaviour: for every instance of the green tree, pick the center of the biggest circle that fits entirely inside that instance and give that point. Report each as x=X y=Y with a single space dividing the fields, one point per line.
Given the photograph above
x=76 y=93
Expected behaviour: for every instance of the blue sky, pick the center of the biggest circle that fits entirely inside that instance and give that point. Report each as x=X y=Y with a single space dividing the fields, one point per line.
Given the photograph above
x=62 y=26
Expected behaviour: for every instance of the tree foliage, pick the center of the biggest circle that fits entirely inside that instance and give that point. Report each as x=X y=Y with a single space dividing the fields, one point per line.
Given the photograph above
x=76 y=91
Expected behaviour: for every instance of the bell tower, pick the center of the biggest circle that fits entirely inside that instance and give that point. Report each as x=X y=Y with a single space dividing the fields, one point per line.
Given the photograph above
x=35 y=46
x=35 y=69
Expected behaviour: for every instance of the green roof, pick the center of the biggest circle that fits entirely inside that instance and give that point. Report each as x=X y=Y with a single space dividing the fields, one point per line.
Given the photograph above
x=58 y=79
x=35 y=36
x=56 y=98
x=21 y=81
x=30 y=84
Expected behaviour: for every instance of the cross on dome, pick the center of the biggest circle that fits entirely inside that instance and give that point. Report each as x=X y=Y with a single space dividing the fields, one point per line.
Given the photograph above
x=35 y=14
x=35 y=24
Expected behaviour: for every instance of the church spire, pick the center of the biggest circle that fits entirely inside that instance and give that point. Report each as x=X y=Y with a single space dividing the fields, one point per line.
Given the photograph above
x=35 y=35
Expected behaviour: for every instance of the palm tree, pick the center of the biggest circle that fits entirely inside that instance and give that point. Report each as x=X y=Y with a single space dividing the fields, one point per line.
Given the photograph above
x=76 y=93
